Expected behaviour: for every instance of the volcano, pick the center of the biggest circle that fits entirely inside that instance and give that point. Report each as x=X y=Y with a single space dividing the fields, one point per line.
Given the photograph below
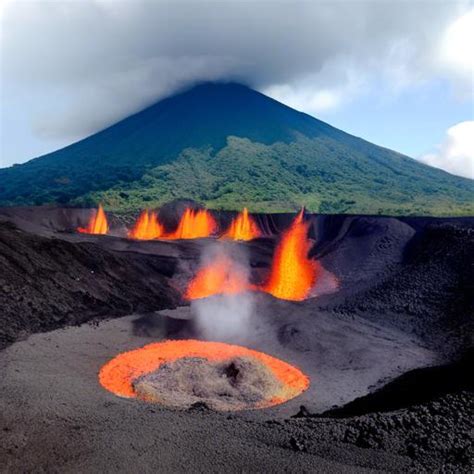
x=228 y=146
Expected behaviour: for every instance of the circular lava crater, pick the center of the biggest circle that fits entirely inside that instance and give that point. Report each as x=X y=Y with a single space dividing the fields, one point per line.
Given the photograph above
x=225 y=377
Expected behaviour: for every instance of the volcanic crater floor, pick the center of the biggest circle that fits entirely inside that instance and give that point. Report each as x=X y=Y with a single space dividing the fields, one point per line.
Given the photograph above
x=372 y=349
x=341 y=362
x=50 y=382
x=51 y=391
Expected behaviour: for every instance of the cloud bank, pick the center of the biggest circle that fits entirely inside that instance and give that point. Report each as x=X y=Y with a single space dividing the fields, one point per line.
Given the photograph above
x=456 y=154
x=99 y=61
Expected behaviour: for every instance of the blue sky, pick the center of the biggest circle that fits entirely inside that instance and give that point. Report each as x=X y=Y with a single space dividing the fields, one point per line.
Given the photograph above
x=411 y=122
x=398 y=74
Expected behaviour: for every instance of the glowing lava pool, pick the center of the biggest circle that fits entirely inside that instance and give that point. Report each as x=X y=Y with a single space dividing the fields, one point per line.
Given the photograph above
x=181 y=373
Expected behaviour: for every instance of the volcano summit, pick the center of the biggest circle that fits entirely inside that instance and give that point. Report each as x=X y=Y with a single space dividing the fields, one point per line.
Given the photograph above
x=228 y=146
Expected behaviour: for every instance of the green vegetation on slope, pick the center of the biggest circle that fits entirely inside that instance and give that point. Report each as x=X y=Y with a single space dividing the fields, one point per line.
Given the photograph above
x=318 y=173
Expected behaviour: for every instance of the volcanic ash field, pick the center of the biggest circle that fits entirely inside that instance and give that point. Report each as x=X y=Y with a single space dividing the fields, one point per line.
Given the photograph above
x=186 y=340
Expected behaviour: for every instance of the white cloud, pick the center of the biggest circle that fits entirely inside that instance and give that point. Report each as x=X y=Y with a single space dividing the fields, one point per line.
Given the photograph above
x=122 y=56
x=456 y=154
x=457 y=49
x=70 y=68
x=312 y=101
x=122 y=93
x=336 y=84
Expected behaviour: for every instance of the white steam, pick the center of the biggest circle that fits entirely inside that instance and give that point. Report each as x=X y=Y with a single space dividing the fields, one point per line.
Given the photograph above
x=225 y=317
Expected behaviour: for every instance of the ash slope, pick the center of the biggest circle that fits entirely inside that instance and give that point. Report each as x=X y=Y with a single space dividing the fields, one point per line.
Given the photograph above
x=48 y=283
x=227 y=145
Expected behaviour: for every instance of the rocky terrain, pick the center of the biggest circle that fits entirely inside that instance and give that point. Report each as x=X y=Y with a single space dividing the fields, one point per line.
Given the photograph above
x=388 y=353
x=49 y=283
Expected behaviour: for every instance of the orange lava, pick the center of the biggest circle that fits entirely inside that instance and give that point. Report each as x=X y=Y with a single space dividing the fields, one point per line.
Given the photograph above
x=221 y=276
x=118 y=374
x=97 y=223
x=243 y=227
x=292 y=274
x=147 y=227
x=194 y=224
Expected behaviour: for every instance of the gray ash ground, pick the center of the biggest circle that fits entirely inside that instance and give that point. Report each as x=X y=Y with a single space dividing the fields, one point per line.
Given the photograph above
x=389 y=354
x=236 y=384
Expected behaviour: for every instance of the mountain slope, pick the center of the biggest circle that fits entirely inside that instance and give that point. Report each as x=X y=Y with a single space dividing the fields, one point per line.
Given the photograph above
x=227 y=145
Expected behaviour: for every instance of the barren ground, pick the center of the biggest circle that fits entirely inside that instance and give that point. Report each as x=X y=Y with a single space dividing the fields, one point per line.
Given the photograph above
x=388 y=352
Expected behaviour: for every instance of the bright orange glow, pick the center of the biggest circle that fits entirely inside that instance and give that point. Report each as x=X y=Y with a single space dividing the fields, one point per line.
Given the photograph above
x=221 y=276
x=97 y=223
x=118 y=374
x=194 y=224
x=243 y=227
x=292 y=274
x=147 y=227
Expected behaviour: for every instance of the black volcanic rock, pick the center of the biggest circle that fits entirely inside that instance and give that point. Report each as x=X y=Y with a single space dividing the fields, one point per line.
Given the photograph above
x=49 y=283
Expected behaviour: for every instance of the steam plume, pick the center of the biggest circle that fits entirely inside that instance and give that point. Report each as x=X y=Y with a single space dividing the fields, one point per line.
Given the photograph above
x=225 y=316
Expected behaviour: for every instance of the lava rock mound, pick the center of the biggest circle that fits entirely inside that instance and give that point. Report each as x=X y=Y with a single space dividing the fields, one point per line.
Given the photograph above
x=235 y=384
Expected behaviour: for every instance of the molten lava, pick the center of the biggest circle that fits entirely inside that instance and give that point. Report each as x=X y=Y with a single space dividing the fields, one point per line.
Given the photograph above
x=119 y=374
x=147 y=227
x=243 y=227
x=221 y=276
x=194 y=224
x=97 y=223
x=292 y=274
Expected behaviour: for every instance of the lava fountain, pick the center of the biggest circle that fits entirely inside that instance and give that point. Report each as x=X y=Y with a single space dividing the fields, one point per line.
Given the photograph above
x=221 y=276
x=194 y=224
x=147 y=227
x=182 y=372
x=243 y=227
x=97 y=223
x=292 y=274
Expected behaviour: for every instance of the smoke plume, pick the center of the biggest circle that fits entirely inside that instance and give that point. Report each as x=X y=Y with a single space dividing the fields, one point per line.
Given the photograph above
x=226 y=316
